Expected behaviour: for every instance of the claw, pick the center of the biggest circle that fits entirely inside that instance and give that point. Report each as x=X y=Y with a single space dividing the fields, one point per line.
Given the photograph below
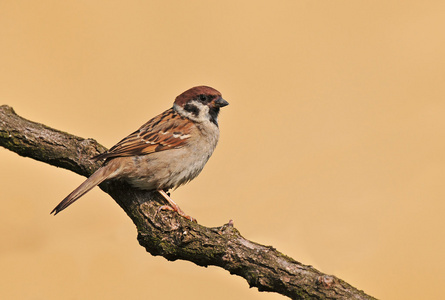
x=173 y=207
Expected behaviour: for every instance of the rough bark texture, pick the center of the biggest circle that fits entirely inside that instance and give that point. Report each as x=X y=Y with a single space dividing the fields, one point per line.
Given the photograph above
x=168 y=234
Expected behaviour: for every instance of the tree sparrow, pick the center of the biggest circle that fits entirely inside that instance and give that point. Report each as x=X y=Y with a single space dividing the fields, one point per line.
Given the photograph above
x=169 y=150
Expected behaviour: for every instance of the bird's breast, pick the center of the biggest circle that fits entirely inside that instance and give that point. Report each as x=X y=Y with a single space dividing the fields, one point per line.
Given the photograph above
x=172 y=168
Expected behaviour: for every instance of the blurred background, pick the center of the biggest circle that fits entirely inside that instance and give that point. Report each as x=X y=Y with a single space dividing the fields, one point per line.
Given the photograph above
x=332 y=148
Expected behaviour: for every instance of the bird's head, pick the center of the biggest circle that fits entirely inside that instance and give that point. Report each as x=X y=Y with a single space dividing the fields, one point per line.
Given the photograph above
x=200 y=104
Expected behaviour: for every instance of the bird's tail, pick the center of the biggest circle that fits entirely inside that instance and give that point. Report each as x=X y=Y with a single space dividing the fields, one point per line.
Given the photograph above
x=100 y=175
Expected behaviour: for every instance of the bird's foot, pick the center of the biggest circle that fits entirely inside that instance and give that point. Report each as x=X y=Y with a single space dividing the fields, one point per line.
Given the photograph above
x=173 y=207
x=178 y=210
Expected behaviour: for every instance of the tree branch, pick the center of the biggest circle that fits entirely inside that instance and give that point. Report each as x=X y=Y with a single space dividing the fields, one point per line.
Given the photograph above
x=168 y=234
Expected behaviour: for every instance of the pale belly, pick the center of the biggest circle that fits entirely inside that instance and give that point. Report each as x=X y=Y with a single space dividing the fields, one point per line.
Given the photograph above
x=160 y=171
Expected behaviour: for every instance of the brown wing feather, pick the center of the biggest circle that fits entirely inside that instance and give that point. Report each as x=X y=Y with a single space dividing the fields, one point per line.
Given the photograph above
x=166 y=131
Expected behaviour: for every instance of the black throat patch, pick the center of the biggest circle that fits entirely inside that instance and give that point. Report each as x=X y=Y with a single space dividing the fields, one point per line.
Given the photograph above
x=214 y=111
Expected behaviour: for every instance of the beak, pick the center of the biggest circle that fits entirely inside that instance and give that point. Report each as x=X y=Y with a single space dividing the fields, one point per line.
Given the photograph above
x=220 y=102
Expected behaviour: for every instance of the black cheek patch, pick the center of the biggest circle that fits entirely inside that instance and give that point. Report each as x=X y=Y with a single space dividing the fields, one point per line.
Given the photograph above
x=192 y=109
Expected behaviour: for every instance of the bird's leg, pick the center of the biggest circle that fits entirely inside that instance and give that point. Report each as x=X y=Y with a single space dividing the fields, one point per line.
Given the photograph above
x=173 y=206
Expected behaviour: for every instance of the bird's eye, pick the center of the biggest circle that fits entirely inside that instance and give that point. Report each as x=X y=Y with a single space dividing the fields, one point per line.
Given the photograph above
x=203 y=98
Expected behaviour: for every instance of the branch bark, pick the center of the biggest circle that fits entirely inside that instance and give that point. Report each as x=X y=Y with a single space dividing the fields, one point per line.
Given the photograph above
x=170 y=235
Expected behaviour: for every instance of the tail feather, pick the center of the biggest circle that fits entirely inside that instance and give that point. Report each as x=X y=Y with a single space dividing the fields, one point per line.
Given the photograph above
x=95 y=179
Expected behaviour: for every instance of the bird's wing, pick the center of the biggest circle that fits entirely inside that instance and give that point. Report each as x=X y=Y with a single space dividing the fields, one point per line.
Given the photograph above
x=166 y=131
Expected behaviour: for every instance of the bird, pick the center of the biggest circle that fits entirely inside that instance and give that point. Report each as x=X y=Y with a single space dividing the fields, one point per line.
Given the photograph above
x=168 y=151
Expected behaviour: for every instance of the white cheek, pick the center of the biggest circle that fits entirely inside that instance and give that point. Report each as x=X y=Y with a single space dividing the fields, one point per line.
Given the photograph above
x=203 y=115
x=203 y=112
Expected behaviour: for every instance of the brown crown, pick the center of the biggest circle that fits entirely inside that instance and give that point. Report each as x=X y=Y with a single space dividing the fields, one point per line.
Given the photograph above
x=194 y=92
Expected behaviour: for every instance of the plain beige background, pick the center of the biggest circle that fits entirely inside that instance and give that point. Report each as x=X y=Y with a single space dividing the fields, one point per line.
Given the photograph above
x=332 y=148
